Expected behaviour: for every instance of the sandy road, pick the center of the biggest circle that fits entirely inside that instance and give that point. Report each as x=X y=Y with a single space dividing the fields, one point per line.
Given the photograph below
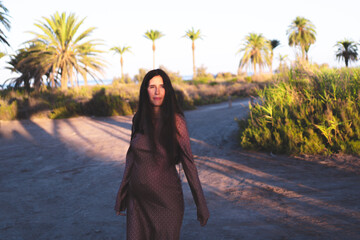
x=58 y=180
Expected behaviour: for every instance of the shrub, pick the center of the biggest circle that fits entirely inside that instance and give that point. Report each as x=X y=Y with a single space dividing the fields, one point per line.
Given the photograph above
x=309 y=110
x=8 y=111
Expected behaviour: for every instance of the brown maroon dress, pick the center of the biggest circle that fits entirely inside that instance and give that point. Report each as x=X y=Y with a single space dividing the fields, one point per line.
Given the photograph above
x=151 y=188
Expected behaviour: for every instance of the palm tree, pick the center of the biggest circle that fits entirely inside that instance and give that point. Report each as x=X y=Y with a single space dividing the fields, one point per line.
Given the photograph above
x=153 y=35
x=282 y=61
x=5 y=22
x=60 y=49
x=256 y=52
x=347 y=50
x=301 y=33
x=274 y=44
x=121 y=51
x=26 y=63
x=193 y=35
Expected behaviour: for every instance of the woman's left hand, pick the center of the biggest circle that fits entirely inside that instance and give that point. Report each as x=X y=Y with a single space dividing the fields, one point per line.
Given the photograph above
x=120 y=213
x=203 y=218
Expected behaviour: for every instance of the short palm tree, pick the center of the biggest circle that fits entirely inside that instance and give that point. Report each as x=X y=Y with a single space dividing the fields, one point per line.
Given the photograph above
x=121 y=51
x=26 y=63
x=256 y=51
x=301 y=34
x=193 y=35
x=153 y=35
x=5 y=22
x=347 y=51
x=282 y=61
x=61 y=49
x=274 y=44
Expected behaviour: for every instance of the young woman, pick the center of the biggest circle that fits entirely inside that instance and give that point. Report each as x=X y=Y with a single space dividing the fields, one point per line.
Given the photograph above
x=151 y=191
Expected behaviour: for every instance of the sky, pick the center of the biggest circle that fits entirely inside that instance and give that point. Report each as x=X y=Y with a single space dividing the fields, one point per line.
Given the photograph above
x=223 y=24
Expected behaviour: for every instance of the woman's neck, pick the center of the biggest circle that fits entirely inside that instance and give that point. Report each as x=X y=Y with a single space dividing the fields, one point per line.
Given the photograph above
x=156 y=112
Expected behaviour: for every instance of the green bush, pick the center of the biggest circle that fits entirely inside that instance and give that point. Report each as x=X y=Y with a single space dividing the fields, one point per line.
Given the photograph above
x=309 y=110
x=8 y=111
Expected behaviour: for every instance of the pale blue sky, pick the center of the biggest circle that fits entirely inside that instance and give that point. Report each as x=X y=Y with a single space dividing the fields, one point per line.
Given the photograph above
x=224 y=25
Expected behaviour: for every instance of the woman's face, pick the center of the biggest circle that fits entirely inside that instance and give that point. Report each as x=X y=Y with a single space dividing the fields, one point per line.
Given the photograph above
x=156 y=91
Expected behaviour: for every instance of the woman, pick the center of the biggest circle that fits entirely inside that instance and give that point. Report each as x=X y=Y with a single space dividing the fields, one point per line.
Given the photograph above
x=151 y=189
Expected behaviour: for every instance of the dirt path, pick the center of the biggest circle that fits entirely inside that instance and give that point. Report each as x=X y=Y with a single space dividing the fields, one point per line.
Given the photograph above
x=58 y=180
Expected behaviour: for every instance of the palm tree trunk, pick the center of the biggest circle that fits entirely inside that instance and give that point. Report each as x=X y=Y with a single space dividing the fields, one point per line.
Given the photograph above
x=52 y=76
x=85 y=77
x=122 y=64
x=153 y=47
x=254 y=69
x=85 y=80
x=63 y=79
x=302 y=53
x=193 y=55
x=37 y=82
x=71 y=78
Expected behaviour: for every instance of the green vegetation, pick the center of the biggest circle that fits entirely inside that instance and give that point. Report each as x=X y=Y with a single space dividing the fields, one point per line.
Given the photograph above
x=193 y=35
x=110 y=100
x=202 y=76
x=153 y=35
x=308 y=111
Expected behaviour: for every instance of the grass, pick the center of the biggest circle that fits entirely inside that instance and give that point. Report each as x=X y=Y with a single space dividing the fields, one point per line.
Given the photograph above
x=307 y=111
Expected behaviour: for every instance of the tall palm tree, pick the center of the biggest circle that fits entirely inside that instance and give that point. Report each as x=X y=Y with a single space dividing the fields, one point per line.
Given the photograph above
x=153 y=35
x=301 y=34
x=193 y=35
x=347 y=50
x=256 y=49
x=121 y=51
x=274 y=44
x=5 y=22
x=61 y=49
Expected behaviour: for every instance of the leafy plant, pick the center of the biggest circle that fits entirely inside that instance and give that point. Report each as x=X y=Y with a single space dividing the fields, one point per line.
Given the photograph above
x=310 y=110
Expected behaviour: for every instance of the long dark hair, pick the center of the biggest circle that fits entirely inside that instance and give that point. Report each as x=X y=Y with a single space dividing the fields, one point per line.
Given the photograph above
x=143 y=117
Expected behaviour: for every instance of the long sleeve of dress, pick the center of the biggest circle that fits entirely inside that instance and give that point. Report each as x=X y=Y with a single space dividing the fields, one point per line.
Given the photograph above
x=122 y=195
x=187 y=161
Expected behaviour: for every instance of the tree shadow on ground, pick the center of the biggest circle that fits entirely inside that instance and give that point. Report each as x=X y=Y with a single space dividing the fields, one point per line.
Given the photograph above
x=56 y=186
x=285 y=197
